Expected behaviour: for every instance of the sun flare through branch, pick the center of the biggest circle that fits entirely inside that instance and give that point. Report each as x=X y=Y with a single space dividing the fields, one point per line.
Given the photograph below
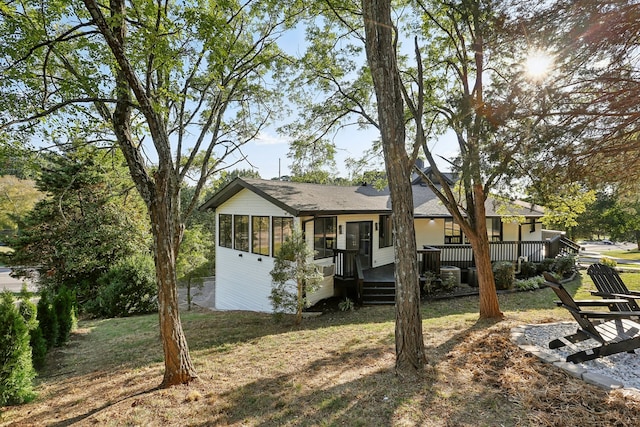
x=538 y=64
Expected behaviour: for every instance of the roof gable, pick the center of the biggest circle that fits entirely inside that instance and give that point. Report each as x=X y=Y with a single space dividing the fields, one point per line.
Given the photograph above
x=307 y=199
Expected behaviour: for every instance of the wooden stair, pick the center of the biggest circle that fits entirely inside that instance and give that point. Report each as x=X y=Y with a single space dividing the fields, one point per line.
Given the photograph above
x=378 y=293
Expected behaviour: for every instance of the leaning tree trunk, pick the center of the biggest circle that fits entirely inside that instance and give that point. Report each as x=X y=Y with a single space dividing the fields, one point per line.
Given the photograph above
x=489 y=305
x=167 y=233
x=381 y=56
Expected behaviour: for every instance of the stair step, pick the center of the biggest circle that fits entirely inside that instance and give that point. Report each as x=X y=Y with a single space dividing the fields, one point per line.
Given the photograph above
x=379 y=293
x=376 y=302
x=381 y=289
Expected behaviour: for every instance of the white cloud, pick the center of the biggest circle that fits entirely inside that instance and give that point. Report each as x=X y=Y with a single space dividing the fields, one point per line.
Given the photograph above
x=265 y=138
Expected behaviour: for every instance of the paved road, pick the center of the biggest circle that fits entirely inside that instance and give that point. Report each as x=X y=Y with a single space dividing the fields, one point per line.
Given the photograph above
x=10 y=284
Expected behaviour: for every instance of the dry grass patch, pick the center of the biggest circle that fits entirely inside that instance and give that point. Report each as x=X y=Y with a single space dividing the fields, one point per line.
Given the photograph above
x=336 y=369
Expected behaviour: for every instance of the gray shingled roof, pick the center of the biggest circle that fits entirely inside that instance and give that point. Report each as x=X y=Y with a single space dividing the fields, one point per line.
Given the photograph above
x=302 y=199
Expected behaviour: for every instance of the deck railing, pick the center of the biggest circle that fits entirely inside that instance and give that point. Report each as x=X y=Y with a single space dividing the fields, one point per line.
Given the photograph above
x=431 y=257
x=345 y=262
x=462 y=255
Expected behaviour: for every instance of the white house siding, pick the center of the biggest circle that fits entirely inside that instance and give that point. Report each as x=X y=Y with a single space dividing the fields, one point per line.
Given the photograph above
x=243 y=281
x=510 y=231
x=429 y=232
x=380 y=256
x=532 y=236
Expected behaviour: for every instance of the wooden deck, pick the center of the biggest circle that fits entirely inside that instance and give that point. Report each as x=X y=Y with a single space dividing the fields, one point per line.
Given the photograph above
x=377 y=285
x=385 y=273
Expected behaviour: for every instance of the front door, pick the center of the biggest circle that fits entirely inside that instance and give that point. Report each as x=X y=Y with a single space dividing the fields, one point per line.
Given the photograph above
x=359 y=238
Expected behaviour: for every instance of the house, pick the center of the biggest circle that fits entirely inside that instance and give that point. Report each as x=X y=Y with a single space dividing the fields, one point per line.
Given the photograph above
x=343 y=225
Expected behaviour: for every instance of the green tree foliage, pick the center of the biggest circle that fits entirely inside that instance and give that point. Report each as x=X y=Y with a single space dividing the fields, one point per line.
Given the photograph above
x=128 y=288
x=564 y=205
x=590 y=132
x=89 y=220
x=333 y=66
x=17 y=198
x=229 y=175
x=16 y=159
x=614 y=214
x=16 y=369
x=179 y=82
x=294 y=275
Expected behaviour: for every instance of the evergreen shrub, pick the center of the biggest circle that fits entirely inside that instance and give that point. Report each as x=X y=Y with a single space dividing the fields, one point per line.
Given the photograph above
x=564 y=265
x=16 y=369
x=528 y=269
x=28 y=311
x=47 y=319
x=546 y=265
x=64 y=307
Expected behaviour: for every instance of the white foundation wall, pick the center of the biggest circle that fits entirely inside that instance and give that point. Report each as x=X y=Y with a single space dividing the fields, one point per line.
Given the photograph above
x=324 y=291
x=242 y=283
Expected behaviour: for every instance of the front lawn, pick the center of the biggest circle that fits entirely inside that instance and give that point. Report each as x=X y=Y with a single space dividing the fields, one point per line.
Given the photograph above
x=336 y=369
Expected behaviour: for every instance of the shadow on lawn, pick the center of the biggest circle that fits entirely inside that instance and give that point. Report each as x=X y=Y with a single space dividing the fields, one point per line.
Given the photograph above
x=119 y=340
x=354 y=388
x=365 y=380
x=79 y=418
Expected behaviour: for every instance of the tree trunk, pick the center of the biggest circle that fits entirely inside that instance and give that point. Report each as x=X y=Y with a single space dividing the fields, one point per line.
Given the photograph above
x=299 y=304
x=189 y=293
x=410 y=353
x=160 y=193
x=489 y=305
x=381 y=56
x=167 y=233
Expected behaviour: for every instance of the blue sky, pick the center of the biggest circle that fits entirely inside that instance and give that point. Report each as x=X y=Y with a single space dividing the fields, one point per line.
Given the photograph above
x=268 y=153
x=265 y=152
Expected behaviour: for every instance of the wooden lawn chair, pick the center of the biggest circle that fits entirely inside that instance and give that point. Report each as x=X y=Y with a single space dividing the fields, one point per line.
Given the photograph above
x=616 y=331
x=610 y=285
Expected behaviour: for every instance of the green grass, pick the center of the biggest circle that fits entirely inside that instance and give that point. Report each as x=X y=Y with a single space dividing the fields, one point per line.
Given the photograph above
x=632 y=255
x=335 y=369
